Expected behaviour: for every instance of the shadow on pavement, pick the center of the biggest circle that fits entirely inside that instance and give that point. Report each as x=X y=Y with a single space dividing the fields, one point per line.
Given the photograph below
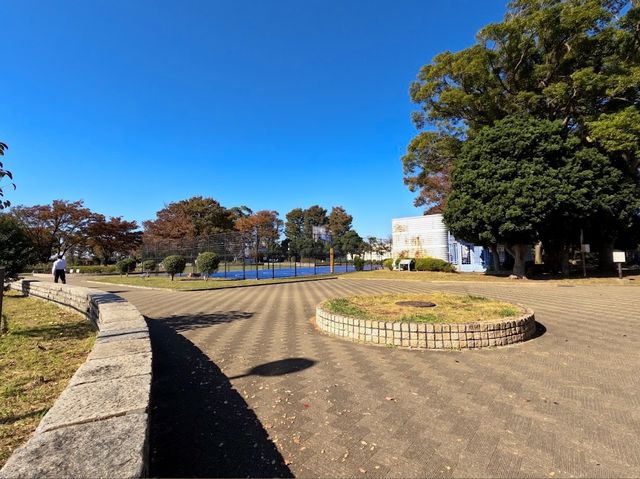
x=540 y=330
x=195 y=321
x=279 y=368
x=201 y=426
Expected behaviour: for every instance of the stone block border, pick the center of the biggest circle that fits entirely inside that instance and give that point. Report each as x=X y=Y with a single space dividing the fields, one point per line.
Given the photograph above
x=99 y=425
x=428 y=336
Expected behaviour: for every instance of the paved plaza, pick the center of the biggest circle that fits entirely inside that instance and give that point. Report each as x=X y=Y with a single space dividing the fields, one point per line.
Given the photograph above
x=244 y=385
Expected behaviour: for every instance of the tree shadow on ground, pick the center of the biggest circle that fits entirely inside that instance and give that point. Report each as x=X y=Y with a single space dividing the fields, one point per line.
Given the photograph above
x=200 y=426
x=196 y=321
x=80 y=330
x=20 y=417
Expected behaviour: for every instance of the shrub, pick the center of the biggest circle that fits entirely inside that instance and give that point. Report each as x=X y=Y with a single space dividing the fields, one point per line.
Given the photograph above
x=358 y=263
x=16 y=249
x=174 y=264
x=434 y=264
x=388 y=263
x=207 y=263
x=126 y=266
x=149 y=265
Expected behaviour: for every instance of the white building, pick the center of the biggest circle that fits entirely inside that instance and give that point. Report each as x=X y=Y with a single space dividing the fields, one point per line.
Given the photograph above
x=427 y=235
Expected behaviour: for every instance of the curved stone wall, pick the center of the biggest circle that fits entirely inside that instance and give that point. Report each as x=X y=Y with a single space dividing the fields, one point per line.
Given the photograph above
x=428 y=336
x=98 y=427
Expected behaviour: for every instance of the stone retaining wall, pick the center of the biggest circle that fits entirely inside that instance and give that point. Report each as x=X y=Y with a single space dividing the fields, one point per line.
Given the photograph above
x=428 y=336
x=98 y=427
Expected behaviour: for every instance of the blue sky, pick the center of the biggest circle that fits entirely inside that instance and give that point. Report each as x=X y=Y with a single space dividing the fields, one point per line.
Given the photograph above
x=129 y=105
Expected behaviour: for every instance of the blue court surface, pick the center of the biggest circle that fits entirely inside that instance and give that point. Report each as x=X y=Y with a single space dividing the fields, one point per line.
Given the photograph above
x=276 y=272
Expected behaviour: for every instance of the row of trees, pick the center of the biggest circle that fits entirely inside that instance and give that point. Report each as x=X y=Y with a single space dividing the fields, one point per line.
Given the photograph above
x=532 y=135
x=69 y=228
x=199 y=217
x=86 y=237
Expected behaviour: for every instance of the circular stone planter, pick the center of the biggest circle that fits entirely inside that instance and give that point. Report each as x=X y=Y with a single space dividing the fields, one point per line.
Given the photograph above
x=472 y=335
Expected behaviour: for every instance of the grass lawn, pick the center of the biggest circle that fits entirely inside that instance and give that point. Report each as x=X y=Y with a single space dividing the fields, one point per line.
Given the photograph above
x=450 y=308
x=42 y=349
x=629 y=279
x=194 y=285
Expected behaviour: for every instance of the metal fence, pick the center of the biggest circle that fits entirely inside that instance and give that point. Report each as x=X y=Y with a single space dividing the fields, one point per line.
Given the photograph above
x=246 y=256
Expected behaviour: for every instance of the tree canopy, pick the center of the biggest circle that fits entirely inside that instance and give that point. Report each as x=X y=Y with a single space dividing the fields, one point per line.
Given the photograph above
x=16 y=248
x=56 y=228
x=573 y=62
x=263 y=226
x=114 y=236
x=191 y=218
x=525 y=180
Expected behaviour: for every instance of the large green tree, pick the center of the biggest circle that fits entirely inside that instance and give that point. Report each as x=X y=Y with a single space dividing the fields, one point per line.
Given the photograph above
x=16 y=248
x=299 y=231
x=523 y=180
x=575 y=61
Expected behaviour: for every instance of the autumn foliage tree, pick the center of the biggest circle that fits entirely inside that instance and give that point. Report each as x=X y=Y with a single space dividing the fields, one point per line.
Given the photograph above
x=56 y=228
x=263 y=226
x=190 y=218
x=111 y=237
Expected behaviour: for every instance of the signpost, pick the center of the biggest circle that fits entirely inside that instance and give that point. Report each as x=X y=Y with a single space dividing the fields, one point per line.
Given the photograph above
x=619 y=257
x=584 y=248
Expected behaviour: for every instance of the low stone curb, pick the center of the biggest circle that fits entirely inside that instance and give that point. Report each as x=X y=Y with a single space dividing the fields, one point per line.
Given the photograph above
x=428 y=336
x=98 y=427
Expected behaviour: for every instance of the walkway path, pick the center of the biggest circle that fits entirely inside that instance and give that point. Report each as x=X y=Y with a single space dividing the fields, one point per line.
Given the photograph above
x=565 y=404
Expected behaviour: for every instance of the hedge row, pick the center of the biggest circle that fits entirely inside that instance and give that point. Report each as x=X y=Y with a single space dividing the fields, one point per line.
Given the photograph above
x=424 y=264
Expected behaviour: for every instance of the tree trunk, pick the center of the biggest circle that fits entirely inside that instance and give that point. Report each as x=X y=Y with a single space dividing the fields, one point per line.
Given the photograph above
x=518 y=252
x=495 y=258
x=538 y=252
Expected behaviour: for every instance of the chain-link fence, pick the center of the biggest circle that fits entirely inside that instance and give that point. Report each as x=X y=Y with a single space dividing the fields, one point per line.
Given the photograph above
x=247 y=256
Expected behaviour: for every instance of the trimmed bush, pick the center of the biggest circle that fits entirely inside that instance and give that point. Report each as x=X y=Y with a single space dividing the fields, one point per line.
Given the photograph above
x=174 y=264
x=434 y=264
x=358 y=263
x=149 y=265
x=207 y=263
x=126 y=266
x=388 y=263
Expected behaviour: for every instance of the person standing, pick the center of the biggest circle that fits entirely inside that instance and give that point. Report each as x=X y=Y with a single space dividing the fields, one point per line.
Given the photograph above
x=58 y=270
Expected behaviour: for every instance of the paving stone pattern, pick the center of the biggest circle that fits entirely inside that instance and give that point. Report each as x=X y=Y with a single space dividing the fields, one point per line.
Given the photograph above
x=565 y=404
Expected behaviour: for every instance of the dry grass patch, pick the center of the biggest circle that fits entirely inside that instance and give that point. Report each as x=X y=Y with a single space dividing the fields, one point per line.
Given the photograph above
x=42 y=349
x=450 y=308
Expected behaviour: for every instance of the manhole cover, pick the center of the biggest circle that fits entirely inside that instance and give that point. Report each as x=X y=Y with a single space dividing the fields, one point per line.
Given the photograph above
x=416 y=304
